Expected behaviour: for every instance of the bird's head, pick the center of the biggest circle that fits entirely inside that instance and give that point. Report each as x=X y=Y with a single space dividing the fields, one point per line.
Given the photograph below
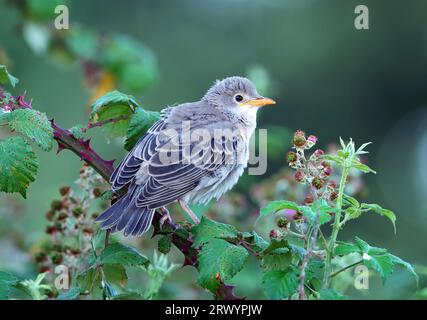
x=237 y=94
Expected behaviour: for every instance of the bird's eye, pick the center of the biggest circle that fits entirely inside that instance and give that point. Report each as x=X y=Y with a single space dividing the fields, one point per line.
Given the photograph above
x=238 y=98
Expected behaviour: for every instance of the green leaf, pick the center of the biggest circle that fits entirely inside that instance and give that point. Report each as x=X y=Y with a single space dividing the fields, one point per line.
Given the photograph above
x=315 y=269
x=350 y=201
x=404 y=264
x=331 y=294
x=115 y=273
x=209 y=229
x=256 y=242
x=280 y=284
x=337 y=159
x=18 y=165
x=7 y=282
x=383 y=264
x=344 y=248
x=381 y=211
x=78 y=131
x=275 y=206
x=375 y=258
x=6 y=77
x=277 y=255
x=140 y=122
x=118 y=253
x=71 y=294
x=43 y=9
x=361 y=167
x=117 y=107
x=319 y=207
x=89 y=280
x=34 y=125
x=219 y=260
x=164 y=244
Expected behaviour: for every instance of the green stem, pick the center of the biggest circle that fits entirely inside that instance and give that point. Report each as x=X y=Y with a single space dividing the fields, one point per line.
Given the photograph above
x=335 y=229
x=346 y=268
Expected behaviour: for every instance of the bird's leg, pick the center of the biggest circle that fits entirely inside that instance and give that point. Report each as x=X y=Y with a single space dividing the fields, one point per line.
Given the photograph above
x=166 y=216
x=187 y=209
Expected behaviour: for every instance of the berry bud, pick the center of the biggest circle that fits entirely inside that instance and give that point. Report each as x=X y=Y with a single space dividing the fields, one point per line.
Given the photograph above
x=318 y=153
x=97 y=192
x=77 y=212
x=50 y=230
x=317 y=183
x=56 y=257
x=50 y=215
x=309 y=199
x=282 y=222
x=56 y=205
x=64 y=191
x=299 y=140
x=299 y=176
x=40 y=257
x=274 y=234
x=291 y=157
x=332 y=184
x=327 y=171
x=62 y=216
x=311 y=141
x=333 y=196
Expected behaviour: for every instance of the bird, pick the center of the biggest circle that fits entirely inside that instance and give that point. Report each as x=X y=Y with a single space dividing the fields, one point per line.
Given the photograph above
x=194 y=153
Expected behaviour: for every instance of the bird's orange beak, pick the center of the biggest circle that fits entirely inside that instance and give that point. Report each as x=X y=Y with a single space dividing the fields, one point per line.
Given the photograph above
x=260 y=102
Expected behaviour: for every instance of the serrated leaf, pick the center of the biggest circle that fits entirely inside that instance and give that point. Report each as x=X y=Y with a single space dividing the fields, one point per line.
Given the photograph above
x=404 y=264
x=18 y=165
x=115 y=273
x=375 y=258
x=280 y=284
x=344 y=248
x=383 y=264
x=117 y=107
x=140 y=122
x=319 y=207
x=209 y=229
x=34 y=125
x=256 y=242
x=6 y=77
x=275 y=206
x=89 y=279
x=381 y=211
x=118 y=253
x=219 y=260
x=276 y=244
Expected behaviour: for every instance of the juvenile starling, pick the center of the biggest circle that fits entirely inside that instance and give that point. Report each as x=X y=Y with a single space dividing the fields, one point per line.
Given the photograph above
x=194 y=153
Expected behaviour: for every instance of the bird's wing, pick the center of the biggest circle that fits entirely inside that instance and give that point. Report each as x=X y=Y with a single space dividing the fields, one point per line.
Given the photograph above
x=130 y=165
x=176 y=168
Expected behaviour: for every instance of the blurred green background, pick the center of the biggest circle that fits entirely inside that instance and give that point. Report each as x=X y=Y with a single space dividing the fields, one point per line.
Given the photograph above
x=329 y=79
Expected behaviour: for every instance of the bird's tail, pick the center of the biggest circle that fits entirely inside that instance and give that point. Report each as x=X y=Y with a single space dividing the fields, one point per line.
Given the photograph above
x=125 y=215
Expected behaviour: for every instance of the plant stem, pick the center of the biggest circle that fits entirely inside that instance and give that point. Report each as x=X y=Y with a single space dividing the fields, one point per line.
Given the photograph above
x=335 y=229
x=345 y=268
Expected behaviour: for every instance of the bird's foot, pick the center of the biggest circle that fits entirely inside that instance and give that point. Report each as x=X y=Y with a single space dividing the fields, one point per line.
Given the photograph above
x=187 y=209
x=166 y=216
